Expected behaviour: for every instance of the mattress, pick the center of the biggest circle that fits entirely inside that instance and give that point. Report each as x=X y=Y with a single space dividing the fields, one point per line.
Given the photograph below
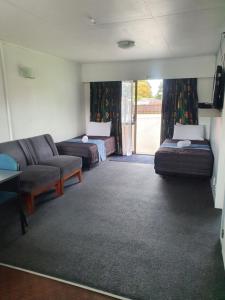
x=88 y=151
x=184 y=161
x=110 y=143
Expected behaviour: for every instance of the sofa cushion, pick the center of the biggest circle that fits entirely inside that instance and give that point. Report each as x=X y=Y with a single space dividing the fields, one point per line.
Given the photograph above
x=66 y=164
x=14 y=149
x=36 y=177
x=42 y=147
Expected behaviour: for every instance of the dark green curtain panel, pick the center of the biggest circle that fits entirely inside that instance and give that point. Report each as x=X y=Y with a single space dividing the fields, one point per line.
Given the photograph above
x=106 y=106
x=180 y=104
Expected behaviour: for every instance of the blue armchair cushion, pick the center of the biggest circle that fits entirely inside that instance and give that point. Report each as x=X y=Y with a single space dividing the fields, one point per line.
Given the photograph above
x=8 y=163
x=14 y=150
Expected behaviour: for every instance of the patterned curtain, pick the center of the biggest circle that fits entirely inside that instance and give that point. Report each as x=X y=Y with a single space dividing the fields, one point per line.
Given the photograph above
x=180 y=104
x=106 y=106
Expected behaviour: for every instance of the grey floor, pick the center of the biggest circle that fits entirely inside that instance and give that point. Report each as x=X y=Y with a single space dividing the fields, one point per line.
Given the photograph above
x=127 y=231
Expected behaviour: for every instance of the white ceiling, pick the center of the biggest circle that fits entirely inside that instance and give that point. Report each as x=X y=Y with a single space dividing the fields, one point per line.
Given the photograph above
x=160 y=28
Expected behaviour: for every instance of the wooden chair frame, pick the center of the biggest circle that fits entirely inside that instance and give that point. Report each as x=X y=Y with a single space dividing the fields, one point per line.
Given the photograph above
x=29 y=197
x=76 y=173
x=59 y=188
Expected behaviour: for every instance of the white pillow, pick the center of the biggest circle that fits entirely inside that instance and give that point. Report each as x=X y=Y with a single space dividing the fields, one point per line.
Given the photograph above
x=188 y=132
x=99 y=128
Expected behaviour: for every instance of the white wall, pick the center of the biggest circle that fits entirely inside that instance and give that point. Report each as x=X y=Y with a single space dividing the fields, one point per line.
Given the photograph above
x=86 y=87
x=218 y=130
x=218 y=141
x=220 y=185
x=198 y=67
x=220 y=182
x=50 y=103
x=215 y=139
x=4 y=122
x=205 y=87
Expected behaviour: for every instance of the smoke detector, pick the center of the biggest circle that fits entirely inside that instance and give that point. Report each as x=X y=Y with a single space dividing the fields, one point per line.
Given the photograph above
x=125 y=44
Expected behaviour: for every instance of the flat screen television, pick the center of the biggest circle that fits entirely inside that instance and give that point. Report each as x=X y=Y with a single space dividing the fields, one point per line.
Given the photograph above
x=218 y=88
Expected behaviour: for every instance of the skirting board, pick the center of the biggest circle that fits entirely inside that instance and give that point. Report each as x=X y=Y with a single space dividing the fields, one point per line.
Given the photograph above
x=66 y=282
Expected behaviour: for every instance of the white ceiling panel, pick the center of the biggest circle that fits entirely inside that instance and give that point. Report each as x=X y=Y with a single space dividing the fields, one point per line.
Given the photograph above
x=168 y=7
x=69 y=11
x=160 y=28
x=197 y=21
x=197 y=32
x=184 y=47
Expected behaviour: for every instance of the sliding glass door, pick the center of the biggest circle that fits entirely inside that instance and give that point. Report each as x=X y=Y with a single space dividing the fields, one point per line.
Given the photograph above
x=141 y=116
x=148 y=116
x=128 y=117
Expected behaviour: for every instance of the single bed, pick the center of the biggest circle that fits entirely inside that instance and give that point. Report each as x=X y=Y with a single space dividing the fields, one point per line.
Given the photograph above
x=88 y=151
x=196 y=160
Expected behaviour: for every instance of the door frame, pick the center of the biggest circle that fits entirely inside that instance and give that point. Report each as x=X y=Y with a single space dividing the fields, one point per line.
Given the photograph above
x=135 y=116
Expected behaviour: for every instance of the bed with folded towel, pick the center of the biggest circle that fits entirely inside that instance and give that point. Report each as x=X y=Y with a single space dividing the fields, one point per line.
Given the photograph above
x=188 y=153
x=92 y=149
x=194 y=159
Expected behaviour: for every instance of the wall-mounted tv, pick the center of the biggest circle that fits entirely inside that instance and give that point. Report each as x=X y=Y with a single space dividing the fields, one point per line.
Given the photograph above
x=218 y=88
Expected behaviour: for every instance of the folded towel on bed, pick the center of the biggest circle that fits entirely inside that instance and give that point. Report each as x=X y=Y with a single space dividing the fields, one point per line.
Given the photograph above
x=85 y=139
x=185 y=143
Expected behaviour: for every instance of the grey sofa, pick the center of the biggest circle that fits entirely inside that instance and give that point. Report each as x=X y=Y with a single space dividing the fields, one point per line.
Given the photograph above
x=42 y=167
x=44 y=152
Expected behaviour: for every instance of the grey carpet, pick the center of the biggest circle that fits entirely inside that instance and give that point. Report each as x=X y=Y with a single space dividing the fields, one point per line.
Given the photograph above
x=134 y=158
x=130 y=232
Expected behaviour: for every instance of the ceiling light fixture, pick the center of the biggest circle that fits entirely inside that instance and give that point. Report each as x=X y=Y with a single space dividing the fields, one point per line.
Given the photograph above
x=125 y=44
x=92 y=20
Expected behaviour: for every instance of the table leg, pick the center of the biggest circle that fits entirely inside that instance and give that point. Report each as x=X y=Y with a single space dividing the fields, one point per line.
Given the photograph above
x=23 y=219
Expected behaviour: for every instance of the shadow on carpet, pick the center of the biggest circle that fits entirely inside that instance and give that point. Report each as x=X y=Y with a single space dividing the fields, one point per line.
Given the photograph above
x=127 y=231
x=134 y=158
